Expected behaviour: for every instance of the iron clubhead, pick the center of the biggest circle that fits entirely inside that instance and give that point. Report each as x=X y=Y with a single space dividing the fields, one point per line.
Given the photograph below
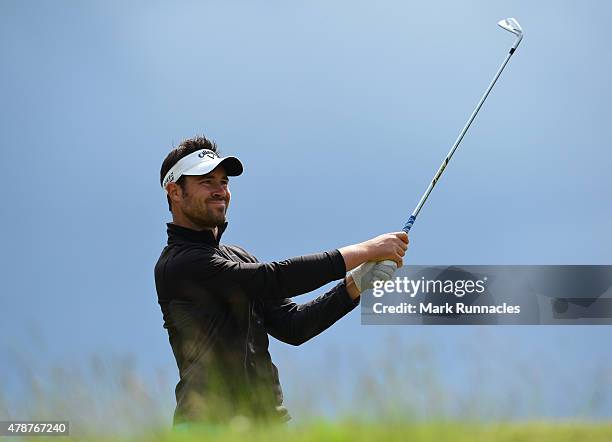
x=511 y=25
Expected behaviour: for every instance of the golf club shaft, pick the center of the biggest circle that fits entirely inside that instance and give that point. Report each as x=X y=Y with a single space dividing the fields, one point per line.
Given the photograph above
x=416 y=211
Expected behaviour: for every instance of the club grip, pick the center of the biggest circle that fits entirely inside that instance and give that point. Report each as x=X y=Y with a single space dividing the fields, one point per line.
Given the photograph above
x=409 y=224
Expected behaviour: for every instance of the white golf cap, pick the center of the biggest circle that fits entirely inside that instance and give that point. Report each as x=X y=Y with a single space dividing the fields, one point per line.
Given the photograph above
x=201 y=162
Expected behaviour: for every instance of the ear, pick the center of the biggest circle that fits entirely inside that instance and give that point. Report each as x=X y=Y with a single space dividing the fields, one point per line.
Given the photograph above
x=175 y=193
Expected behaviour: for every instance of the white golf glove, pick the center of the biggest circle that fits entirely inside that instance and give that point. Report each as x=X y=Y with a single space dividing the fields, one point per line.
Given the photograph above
x=368 y=272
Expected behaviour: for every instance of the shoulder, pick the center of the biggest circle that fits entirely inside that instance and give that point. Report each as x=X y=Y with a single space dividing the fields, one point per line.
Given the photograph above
x=184 y=255
x=240 y=252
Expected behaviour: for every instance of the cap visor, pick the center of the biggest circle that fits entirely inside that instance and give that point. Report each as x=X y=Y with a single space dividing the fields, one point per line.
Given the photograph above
x=232 y=166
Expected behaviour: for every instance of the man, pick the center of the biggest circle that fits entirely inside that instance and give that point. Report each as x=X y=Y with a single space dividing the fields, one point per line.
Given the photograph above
x=219 y=303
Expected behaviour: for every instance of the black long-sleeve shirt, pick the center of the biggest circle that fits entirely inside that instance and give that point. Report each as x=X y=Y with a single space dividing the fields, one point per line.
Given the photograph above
x=219 y=304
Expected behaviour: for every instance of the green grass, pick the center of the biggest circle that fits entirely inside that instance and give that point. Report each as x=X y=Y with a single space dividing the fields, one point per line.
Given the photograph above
x=391 y=396
x=355 y=431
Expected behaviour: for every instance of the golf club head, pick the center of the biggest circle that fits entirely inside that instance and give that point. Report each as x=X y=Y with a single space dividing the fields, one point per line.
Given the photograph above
x=511 y=25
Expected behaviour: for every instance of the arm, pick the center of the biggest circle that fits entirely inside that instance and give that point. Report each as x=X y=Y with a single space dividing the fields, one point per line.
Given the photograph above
x=274 y=280
x=295 y=324
x=351 y=288
x=284 y=279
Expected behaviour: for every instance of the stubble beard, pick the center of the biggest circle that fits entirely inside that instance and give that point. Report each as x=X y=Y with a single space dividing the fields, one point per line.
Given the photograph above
x=204 y=217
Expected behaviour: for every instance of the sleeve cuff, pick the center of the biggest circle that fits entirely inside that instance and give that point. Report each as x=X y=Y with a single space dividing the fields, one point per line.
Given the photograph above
x=347 y=302
x=338 y=263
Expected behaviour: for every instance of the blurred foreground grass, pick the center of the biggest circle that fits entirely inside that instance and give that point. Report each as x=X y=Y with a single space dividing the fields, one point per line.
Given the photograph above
x=352 y=430
x=397 y=391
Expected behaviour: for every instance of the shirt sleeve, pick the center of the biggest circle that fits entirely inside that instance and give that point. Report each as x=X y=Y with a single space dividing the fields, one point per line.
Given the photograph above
x=274 y=280
x=297 y=323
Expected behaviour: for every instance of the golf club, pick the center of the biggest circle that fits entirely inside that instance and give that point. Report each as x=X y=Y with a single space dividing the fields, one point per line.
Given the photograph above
x=511 y=25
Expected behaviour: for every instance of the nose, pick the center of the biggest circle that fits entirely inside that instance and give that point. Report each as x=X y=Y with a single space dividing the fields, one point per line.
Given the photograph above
x=219 y=191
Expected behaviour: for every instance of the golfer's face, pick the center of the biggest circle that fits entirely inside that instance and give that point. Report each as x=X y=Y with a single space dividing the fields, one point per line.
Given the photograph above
x=206 y=198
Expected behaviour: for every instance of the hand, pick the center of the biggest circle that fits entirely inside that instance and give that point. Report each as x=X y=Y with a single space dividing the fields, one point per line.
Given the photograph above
x=390 y=246
x=368 y=272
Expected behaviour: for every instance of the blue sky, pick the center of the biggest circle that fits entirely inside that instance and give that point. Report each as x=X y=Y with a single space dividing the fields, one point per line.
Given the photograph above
x=341 y=113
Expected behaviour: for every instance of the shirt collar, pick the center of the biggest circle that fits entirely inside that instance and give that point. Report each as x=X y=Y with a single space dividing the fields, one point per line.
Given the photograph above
x=178 y=233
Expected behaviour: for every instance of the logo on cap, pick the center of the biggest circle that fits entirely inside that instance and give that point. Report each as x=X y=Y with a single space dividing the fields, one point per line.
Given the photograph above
x=169 y=179
x=208 y=153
